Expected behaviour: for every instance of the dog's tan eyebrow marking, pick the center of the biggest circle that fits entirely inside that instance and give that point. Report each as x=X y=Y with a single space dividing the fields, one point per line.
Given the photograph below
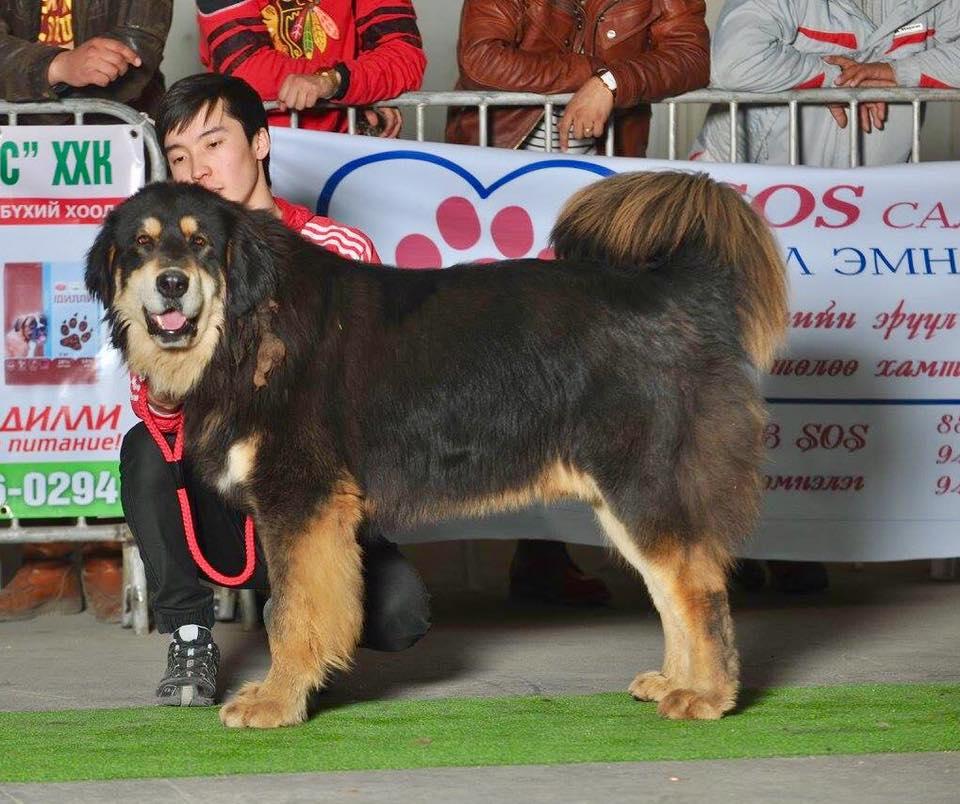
x=152 y=227
x=188 y=225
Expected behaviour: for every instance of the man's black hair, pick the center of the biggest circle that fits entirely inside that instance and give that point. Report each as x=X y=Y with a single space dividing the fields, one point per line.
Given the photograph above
x=195 y=93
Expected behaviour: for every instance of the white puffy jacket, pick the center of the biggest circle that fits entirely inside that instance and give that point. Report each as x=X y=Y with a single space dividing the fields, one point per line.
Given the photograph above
x=777 y=45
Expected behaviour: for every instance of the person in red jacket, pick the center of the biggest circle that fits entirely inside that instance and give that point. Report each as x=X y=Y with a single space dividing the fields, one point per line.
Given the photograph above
x=213 y=129
x=299 y=52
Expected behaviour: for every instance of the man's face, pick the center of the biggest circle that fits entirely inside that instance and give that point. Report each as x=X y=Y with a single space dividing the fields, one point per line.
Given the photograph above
x=213 y=151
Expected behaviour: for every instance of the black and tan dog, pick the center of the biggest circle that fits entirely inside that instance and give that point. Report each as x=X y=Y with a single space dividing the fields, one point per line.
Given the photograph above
x=319 y=392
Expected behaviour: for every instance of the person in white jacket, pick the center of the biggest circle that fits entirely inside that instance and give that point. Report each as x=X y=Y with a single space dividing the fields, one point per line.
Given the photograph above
x=778 y=45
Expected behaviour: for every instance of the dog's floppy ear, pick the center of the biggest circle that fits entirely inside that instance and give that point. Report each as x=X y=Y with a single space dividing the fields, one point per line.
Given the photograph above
x=100 y=257
x=251 y=263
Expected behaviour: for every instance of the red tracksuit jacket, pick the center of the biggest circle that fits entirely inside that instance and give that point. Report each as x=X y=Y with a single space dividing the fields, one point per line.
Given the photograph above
x=374 y=44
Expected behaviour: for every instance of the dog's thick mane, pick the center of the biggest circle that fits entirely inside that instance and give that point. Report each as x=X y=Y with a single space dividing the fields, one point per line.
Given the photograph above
x=283 y=310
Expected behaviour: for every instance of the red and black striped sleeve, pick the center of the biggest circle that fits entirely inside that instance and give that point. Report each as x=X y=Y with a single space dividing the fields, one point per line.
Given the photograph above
x=391 y=60
x=235 y=41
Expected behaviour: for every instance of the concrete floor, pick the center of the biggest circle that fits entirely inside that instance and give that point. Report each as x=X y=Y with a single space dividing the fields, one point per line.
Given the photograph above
x=882 y=623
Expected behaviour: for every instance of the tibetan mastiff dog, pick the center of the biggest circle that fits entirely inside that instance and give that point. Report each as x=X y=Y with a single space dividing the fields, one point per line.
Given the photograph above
x=319 y=393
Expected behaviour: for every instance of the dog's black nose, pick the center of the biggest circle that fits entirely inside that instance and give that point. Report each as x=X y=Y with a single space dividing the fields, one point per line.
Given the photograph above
x=172 y=284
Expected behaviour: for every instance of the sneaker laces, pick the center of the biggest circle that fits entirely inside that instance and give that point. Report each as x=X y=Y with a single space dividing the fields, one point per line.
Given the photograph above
x=192 y=662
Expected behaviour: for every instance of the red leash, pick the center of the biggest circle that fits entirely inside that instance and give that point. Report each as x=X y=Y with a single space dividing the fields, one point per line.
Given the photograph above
x=174 y=457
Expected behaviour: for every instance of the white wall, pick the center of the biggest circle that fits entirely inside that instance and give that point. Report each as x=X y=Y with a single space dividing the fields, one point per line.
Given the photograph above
x=181 y=56
x=439 y=21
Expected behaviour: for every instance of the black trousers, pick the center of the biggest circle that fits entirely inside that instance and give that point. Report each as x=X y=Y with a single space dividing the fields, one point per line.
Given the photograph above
x=396 y=603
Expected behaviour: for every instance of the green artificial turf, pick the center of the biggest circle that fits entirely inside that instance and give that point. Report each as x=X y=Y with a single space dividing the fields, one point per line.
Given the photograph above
x=609 y=727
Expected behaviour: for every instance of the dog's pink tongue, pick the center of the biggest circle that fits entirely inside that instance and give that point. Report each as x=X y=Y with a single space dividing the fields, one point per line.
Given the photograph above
x=171 y=320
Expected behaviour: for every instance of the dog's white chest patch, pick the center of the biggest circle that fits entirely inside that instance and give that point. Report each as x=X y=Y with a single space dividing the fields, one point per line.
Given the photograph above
x=240 y=461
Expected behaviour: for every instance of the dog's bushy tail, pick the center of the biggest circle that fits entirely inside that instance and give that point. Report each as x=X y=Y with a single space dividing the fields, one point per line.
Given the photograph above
x=635 y=219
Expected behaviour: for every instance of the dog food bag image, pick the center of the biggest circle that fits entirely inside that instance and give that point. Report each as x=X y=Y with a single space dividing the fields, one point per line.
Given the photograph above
x=73 y=313
x=51 y=324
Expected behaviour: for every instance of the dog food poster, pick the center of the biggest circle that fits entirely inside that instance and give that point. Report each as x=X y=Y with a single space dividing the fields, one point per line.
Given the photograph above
x=24 y=319
x=51 y=334
x=64 y=393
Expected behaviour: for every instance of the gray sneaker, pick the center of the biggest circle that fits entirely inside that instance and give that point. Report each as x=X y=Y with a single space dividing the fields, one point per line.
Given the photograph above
x=193 y=660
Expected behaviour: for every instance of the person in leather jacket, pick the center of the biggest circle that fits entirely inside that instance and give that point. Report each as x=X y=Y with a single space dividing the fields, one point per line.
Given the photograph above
x=616 y=56
x=102 y=49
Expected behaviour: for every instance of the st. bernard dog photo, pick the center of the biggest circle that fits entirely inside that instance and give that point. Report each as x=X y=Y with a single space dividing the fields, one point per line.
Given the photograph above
x=319 y=392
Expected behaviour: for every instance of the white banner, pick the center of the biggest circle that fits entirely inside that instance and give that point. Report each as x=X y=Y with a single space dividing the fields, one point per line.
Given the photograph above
x=64 y=400
x=864 y=439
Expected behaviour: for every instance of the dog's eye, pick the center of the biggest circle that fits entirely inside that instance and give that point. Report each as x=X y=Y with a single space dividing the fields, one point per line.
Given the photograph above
x=198 y=241
x=144 y=240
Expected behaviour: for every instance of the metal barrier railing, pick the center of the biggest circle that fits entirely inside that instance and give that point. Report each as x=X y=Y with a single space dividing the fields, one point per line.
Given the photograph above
x=18 y=113
x=851 y=98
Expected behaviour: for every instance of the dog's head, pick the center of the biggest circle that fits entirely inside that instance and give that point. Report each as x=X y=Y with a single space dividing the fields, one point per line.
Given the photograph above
x=31 y=327
x=173 y=265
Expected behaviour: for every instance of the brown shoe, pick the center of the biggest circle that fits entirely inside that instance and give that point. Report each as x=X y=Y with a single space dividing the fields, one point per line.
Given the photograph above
x=103 y=587
x=41 y=587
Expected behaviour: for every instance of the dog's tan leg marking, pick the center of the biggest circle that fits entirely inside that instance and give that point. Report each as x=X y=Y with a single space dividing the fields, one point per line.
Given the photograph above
x=317 y=616
x=700 y=674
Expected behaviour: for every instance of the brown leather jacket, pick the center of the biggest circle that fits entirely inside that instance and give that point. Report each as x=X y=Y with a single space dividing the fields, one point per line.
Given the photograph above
x=140 y=24
x=654 y=48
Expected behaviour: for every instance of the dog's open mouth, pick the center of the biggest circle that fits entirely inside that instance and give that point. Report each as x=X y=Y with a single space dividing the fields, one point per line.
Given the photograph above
x=170 y=326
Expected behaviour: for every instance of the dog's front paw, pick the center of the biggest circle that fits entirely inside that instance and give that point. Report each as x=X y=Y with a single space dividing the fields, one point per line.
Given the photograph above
x=254 y=707
x=652 y=686
x=693 y=705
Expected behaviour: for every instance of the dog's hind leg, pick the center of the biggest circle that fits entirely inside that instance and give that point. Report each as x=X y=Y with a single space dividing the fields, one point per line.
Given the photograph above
x=317 y=585
x=700 y=674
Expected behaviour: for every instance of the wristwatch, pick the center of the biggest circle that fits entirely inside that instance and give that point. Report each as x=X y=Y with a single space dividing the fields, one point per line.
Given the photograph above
x=608 y=80
x=334 y=78
x=340 y=76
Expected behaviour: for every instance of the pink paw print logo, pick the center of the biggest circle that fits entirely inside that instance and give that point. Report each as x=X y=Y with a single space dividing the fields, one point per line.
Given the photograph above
x=460 y=229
